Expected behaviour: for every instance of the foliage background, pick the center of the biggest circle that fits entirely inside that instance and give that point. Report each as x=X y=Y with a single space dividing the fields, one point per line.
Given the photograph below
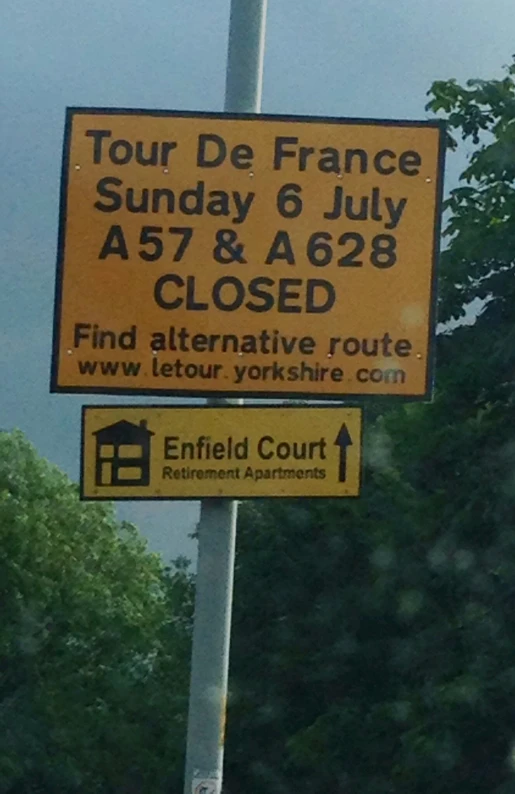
x=374 y=639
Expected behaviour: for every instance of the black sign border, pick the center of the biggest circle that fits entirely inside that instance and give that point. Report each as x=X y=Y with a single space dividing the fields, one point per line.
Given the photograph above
x=56 y=388
x=161 y=407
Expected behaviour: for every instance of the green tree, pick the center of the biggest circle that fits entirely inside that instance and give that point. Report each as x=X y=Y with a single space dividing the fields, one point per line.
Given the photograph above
x=94 y=642
x=477 y=261
x=383 y=628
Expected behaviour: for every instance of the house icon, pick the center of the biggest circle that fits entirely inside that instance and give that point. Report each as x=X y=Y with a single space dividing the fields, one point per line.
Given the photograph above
x=123 y=454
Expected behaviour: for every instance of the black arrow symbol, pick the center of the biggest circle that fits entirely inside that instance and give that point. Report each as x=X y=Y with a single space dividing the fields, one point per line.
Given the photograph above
x=343 y=440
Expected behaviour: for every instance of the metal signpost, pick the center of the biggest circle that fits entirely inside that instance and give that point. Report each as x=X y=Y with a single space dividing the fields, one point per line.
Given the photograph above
x=227 y=255
x=217 y=526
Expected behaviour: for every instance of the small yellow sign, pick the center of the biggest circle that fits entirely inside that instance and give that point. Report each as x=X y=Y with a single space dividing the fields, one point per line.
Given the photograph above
x=193 y=452
x=251 y=256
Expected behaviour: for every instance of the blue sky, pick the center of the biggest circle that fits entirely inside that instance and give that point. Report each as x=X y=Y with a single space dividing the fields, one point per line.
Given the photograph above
x=367 y=58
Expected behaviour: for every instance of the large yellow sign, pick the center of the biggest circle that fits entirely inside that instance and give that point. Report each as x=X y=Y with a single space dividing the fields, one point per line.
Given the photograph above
x=172 y=452
x=258 y=256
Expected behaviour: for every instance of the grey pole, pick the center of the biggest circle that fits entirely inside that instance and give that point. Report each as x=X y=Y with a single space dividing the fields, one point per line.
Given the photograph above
x=217 y=524
x=244 y=78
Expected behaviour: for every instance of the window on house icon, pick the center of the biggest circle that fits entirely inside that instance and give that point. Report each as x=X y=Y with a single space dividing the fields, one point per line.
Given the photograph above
x=114 y=461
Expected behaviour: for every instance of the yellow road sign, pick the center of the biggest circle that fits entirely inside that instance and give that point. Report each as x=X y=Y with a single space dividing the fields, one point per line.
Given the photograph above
x=192 y=452
x=208 y=253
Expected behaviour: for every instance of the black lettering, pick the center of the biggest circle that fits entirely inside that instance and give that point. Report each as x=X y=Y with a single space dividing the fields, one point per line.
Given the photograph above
x=217 y=159
x=351 y=213
x=239 y=293
x=375 y=212
x=80 y=332
x=378 y=165
x=158 y=341
x=370 y=347
x=114 y=244
x=277 y=371
x=304 y=153
x=256 y=290
x=333 y=342
x=288 y=344
x=171 y=448
x=361 y=154
x=197 y=194
x=386 y=341
x=127 y=339
x=161 y=282
x=307 y=345
x=329 y=163
x=218 y=450
x=191 y=304
x=239 y=372
x=199 y=343
x=241 y=156
x=97 y=136
x=402 y=348
x=330 y=296
x=281 y=248
x=249 y=342
x=186 y=233
x=384 y=251
x=166 y=148
x=336 y=210
x=351 y=346
x=126 y=152
x=265 y=455
x=409 y=163
x=150 y=236
x=349 y=259
x=132 y=206
x=102 y=190
x=158 y=194
x=229 y=343
x=280 y=152
x=227 y=248
x=285 y=294
x=219 y=203
x=142 y=158
x=101 y=336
